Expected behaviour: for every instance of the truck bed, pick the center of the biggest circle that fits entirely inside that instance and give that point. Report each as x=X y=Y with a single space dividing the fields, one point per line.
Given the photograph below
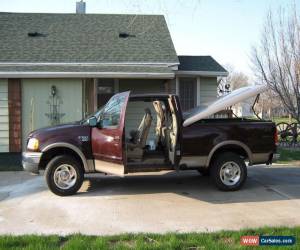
x=201 y=138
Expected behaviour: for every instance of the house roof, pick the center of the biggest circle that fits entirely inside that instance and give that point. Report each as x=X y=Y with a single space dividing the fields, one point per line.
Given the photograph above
x=85 y=38
x=50 y=71
x=201 y=65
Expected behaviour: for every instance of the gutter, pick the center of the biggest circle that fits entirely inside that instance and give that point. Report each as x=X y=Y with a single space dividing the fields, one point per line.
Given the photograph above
x=127 y=75
x=202 y=73
x=88 y=64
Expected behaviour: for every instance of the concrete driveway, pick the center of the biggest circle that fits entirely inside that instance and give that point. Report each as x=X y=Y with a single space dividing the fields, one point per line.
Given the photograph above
x=156 y=202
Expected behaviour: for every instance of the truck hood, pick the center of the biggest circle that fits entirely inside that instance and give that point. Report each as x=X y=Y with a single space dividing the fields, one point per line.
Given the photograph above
x=234 y=97
x=56 y=128
x=76 y=134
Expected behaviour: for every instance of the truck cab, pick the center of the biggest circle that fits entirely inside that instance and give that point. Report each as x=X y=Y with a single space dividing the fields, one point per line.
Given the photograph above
x=110 y=142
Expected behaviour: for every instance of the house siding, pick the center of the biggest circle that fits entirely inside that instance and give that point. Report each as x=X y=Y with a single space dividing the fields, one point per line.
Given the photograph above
x=35 y=102
x=4 y=118
x=142 y=86
x=208 y=90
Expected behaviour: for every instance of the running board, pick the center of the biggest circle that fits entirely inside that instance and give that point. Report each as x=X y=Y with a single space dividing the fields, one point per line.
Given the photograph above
x=138 y=167
x=109 y=168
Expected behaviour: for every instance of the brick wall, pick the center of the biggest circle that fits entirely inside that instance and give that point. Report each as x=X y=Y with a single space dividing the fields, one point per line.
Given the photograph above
x=14 y=111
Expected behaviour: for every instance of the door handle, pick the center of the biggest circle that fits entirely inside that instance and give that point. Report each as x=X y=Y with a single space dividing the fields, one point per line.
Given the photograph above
x=117 y=138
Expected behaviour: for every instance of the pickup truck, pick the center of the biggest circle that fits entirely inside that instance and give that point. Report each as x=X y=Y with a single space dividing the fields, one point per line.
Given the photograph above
x=194 y=141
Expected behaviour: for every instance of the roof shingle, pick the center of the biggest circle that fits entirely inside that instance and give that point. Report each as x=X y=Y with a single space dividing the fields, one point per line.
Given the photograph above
x=199 y=63
x=85 y=38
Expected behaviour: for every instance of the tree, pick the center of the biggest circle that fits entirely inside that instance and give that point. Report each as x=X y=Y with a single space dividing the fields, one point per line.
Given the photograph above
x=238 y=80
x=276 y=60
x=269 y=105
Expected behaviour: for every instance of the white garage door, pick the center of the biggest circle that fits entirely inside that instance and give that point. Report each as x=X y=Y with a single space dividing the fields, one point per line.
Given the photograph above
x=38 y=103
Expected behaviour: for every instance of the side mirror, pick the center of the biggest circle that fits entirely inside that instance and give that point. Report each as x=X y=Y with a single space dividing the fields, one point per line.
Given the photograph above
x=92 y=121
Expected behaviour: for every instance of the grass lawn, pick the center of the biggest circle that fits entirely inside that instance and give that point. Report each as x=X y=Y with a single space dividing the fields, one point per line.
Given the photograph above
x=191 y=241
x=283 y=119
x=288 y=156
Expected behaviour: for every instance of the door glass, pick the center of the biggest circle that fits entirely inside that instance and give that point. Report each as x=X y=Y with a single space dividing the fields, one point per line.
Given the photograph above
x=110 y=116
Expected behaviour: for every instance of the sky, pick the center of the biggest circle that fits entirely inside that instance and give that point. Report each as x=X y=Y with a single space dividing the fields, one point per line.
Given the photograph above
x=224 y=29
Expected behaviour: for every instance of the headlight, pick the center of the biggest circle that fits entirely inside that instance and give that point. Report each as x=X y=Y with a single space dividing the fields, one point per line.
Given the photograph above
x=33 y=144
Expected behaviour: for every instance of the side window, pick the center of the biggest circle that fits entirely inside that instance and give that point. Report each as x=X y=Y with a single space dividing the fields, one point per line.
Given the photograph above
x=110 y=116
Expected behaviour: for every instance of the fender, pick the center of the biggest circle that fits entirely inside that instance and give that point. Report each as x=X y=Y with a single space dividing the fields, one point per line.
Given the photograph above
x=230 y=142
x=87 y=164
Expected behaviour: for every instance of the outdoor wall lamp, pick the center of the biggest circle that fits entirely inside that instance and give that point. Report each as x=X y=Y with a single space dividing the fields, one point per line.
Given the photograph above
x=53 y=90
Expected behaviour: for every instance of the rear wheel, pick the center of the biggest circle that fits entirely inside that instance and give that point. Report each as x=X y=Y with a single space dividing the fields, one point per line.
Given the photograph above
x=64 y=175
x=228 y=172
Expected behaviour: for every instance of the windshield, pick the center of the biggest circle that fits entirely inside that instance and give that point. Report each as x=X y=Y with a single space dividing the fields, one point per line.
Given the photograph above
x=96 y=114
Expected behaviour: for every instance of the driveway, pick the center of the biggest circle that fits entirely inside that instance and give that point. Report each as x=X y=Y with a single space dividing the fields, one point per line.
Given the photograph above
x=156 y=202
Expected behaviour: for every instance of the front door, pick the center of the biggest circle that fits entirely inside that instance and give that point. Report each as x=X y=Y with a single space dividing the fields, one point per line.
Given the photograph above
x=107 y=138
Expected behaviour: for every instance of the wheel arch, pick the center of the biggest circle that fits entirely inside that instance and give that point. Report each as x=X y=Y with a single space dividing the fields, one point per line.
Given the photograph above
x=230 y=146
x=63 y=148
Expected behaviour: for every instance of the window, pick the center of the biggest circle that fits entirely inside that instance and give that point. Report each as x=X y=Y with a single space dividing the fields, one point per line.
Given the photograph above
x=110 y=117
x=188 y=93
x=105 y=90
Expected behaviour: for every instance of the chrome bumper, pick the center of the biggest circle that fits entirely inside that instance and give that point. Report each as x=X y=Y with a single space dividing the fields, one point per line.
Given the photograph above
x=30 y=161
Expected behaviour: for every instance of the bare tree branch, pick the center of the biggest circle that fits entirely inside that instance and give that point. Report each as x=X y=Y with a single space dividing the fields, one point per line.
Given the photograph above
x=277 y=58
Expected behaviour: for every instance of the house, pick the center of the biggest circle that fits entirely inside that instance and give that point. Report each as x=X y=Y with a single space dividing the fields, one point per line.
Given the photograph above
x=57 y=68
x=244 y=109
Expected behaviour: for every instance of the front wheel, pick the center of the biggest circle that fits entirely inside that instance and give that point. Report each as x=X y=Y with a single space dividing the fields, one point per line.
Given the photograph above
x=64 y=175
x=229 y=172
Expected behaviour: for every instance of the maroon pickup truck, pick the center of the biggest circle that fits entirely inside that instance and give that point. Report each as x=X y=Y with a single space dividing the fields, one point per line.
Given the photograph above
x=102 y=143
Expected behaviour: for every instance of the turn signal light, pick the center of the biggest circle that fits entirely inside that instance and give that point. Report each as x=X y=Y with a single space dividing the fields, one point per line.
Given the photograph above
x=33 y=144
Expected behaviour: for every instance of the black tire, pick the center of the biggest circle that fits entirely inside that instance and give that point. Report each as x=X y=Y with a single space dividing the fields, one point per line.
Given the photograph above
x=218 y=165
x=57 y=162
x=204 y=171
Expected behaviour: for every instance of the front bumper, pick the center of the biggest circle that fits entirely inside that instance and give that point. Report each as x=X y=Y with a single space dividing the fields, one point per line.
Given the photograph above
x=30 y=161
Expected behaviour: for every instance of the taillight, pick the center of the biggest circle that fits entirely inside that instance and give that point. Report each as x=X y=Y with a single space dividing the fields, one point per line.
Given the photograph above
x=276 y=136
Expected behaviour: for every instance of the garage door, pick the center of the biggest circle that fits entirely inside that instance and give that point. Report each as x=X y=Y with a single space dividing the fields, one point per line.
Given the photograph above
x=47 y=102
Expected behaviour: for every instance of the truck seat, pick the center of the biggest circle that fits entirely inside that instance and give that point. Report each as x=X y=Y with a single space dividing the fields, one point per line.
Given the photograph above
x=139 y=137
x=160 y=124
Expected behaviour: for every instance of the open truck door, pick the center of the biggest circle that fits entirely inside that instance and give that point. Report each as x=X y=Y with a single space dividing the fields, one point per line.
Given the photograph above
x=108 y=137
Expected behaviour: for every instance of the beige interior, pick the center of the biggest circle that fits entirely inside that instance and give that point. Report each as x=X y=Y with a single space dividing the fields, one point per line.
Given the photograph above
x=173 y=130
x=160 y=121
x=138 y=138
x=166 y=130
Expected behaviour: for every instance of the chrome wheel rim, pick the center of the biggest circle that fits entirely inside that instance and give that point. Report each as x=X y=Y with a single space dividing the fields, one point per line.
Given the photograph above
x=65 y=176
x=230 y=173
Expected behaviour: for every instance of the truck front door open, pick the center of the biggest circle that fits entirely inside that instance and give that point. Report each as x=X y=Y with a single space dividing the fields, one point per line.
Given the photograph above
x=107 y=138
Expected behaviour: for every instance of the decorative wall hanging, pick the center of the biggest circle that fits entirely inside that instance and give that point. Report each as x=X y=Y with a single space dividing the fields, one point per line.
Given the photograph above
x=54 y=103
